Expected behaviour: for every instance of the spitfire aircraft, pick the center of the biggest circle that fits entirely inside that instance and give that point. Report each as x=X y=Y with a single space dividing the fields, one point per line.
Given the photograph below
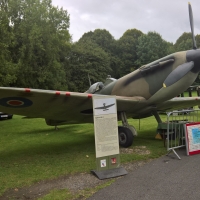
x=142 y=93
x=104 y=107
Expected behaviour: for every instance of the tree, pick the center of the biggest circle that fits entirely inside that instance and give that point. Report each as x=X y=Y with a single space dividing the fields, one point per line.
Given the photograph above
x=184 y=42
x=41 y=41
x=170 y=48
x=127 y=50
x=198 y=40
x=7 y=67
x=107 y=43
x=101 y=37
x=87 y=58
x=151 y=47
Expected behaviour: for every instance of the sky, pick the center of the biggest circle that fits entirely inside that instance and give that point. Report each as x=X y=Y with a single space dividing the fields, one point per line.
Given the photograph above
x=169 y=18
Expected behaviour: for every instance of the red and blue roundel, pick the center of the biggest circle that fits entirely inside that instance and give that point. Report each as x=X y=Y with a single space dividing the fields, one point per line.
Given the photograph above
x=15 y=102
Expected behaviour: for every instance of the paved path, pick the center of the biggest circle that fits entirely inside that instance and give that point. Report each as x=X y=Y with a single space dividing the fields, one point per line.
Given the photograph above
x=162 y=179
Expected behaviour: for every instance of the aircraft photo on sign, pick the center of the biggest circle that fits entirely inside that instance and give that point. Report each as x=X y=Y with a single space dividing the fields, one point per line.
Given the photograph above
x=104 y=106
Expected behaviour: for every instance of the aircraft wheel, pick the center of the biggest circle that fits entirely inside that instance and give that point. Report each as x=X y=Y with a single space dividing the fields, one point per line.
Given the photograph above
x=125 y=137
x=133 y=130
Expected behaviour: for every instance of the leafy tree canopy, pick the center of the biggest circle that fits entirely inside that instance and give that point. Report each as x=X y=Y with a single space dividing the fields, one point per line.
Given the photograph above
x=40 y=41
x=151 y=47
x=107 y=43
x=87 y=58
x=127 y=50
x=7 y=67
x=184 y=42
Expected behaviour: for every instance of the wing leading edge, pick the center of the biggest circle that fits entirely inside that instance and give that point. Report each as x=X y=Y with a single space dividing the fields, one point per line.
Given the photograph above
x=76 y=107
x=72 y=107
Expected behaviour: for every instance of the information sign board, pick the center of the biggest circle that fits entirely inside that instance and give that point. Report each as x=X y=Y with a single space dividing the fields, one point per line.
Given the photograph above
x=193 y=138
x=106 y=137
x=106 y=126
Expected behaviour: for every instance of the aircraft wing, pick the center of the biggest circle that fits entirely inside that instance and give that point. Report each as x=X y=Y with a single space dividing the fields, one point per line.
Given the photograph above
x=179 y=103
x=72 y=107
x=75 y=107
x=145 y=109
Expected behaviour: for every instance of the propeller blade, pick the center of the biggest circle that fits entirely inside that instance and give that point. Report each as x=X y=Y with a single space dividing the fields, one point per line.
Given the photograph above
x=192 y=25
x=178 y=73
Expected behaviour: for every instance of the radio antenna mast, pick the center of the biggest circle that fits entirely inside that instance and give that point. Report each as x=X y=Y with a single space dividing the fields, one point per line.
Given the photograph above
x=89 y=79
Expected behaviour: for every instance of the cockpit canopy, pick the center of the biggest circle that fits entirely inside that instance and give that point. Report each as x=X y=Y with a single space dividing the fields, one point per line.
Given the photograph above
x=95 y=87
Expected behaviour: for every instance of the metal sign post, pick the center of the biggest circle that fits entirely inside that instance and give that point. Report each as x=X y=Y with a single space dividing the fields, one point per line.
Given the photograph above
x=106 y=137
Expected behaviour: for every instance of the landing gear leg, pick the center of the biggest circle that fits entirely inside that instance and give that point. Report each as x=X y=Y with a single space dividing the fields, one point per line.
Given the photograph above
x=156 y=115
x=126 y=132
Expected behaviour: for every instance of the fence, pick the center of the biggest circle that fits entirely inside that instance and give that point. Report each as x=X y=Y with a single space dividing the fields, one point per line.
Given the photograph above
x=176 y=121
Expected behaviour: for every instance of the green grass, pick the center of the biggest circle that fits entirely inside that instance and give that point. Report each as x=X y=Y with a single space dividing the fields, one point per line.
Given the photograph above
x=58 y=195
x=194 y=93
x=31 y=151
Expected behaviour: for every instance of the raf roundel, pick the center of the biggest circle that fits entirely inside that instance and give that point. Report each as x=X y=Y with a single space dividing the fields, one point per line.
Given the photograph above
x=15 y=102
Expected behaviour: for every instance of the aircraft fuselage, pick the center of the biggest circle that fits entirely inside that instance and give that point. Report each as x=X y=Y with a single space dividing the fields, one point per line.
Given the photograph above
x=160 y=80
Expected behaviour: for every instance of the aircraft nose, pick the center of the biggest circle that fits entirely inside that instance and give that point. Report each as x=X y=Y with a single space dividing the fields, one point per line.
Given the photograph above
x=194 y=55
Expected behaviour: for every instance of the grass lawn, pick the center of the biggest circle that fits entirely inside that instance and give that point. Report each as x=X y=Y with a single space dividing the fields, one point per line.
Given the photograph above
x=194 y=93
x=31 y=151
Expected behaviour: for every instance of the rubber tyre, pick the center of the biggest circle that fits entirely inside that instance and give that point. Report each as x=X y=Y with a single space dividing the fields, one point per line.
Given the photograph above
x=125 y=137
x=10 y=117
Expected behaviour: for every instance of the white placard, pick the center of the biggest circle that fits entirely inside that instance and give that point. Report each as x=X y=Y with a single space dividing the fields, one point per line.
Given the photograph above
x=103 y=163
x=105 y=126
